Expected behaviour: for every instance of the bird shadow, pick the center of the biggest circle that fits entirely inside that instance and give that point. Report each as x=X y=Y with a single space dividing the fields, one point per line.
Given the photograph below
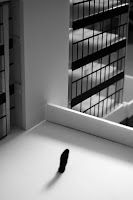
x=53 y=181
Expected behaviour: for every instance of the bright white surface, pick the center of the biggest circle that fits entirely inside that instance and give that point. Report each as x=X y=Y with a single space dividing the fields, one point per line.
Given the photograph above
x=90 y=124
x=97 y=169
x=124 y=111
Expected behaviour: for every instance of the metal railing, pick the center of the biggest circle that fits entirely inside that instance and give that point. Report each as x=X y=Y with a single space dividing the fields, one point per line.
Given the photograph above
x=97 y=43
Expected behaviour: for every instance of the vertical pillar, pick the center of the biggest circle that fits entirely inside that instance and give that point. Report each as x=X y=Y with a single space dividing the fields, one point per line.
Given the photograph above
x=6 y=61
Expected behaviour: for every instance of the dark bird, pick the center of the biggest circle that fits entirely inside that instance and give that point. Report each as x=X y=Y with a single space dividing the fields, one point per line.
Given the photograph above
x=63 y=161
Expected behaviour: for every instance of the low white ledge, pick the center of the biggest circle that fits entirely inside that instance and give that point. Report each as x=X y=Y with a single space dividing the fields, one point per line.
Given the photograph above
x=90 y=124
x=125 y=110
x=118 y=115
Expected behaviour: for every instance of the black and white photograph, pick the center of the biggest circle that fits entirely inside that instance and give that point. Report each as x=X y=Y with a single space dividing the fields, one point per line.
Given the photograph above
x=66 y=99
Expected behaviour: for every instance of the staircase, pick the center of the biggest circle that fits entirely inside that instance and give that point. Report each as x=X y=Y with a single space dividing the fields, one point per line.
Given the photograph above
x=97 y=40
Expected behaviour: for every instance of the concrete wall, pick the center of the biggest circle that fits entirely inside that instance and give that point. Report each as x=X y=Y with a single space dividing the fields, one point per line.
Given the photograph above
x=44 y=48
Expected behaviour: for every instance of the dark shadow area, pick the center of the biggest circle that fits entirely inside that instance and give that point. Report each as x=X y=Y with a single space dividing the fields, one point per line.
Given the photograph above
x=87 y=141
x=128 y=122
x=53 y=181
x=130 y=36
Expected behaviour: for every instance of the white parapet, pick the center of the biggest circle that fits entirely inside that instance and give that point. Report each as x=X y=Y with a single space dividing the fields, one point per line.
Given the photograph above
x=90 y=124
x=122 y=112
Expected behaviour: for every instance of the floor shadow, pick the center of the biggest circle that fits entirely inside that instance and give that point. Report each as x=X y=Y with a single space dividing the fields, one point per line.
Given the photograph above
x=53 y=181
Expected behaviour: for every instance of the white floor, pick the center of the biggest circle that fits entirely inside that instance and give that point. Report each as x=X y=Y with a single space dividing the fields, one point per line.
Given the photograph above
x=97 y=169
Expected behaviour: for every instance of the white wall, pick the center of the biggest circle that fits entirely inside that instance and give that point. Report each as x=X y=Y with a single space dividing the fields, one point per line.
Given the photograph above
x=44 y=52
